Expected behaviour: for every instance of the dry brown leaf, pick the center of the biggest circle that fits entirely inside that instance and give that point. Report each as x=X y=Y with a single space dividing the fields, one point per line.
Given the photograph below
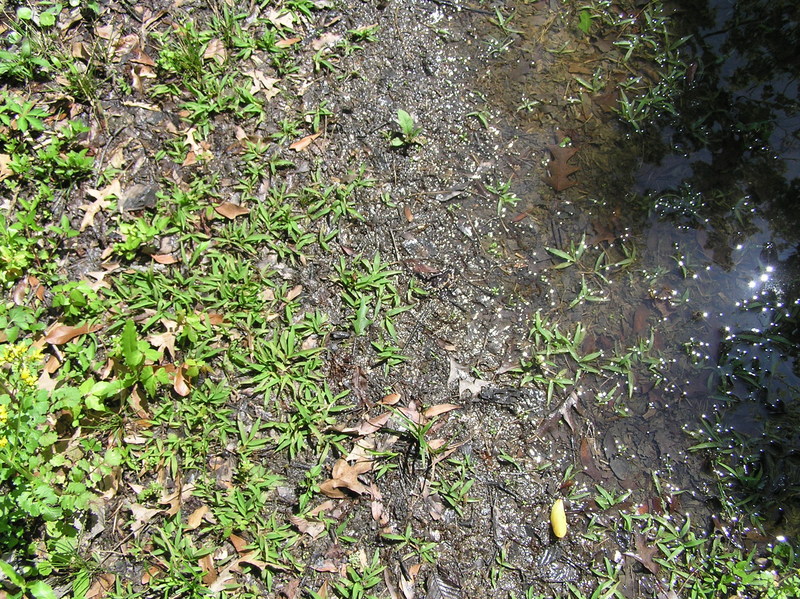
x=196 y=517
x=312 y=529
x=645 y=554
x=143 y=59
x=407 y=584
x=408 y=214
x=101 y=585
x=80 y=51
x=285 y=20
x=439 y=409
x=285 y=43
x=141 y=516
x=231 y=211
x=390 y=399
x=125 y=45
x=326 y=566
x=105 y=32
x=177 y=498
x=325 y=506
x=302 y=143
x=101 y=202
x=163 y=342
x=345 y=476
x=262 y=82
x=180 y=384
x=465 y=381
x=191 y=158
x=564 y=411
x=223 y=470
x=290 y=590
x=215 y=50
x=238 y=543
x=60 y=334
x=369 y=426
x=587 y=461
x=5 y=170
x=326 y=40
x=559 y=167
x=294 y=292
x=164 y=258
x=206 y=564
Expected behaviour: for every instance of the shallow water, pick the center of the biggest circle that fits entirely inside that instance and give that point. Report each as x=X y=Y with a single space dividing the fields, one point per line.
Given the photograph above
x=706 y=200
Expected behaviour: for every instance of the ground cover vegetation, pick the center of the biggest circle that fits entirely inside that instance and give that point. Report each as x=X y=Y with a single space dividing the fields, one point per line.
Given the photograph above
x=204 y=359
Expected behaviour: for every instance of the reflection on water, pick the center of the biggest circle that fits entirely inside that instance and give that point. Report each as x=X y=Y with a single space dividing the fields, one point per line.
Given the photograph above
x=710 y=216
x=732 y=177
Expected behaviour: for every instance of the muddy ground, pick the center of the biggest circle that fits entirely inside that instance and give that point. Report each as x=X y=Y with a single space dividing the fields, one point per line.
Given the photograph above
x=489 y=103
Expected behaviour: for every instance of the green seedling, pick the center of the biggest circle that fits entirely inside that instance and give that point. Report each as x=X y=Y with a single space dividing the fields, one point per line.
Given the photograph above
x=503 y=22
x=409 y=133
x=361 y=576
x=505 y=197
x=424 y=550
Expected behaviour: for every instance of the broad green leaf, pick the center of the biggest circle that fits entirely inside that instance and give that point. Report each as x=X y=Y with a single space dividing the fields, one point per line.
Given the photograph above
x=405 y=121
x=130 y=345
x=47 y=19
x=48 y=438
x=41 y=590
x=12 y=574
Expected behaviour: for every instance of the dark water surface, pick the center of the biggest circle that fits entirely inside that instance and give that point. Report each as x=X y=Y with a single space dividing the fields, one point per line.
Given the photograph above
x=707 y=201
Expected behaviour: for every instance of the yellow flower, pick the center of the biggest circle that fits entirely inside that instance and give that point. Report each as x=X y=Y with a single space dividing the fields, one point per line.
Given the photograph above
x=3 y=442
x=27 y=377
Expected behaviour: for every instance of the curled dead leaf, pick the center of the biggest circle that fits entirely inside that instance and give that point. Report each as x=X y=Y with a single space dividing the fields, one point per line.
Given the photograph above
x=345 y=476
x=390 y=399
x=312 y=529
x=196 y=517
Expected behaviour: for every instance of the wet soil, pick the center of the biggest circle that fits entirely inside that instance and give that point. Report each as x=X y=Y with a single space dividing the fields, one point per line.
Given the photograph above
x=490 y=102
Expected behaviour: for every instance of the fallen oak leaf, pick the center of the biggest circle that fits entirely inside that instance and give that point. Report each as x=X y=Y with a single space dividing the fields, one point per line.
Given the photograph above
x=345 y=476
x=564 y=411
x=559 y=168
x=216 y=50
x=312 y=529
